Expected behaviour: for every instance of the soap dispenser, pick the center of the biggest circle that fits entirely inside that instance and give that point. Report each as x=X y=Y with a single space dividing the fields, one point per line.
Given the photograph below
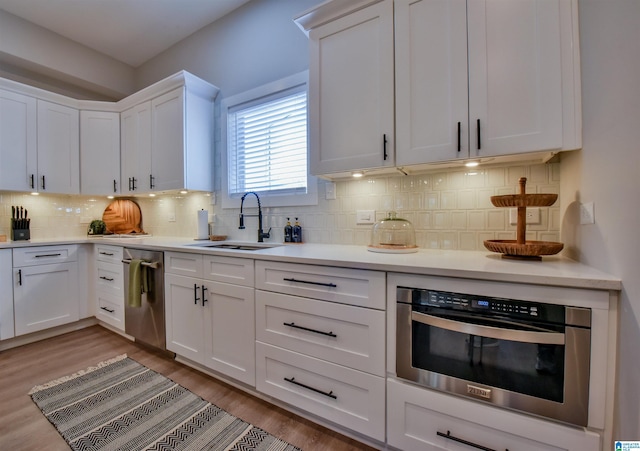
x=288 y=232
x=296 y=235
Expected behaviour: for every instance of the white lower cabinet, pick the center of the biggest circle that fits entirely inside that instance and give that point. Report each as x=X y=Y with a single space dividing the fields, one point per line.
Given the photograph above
x=6 y=296
x=210 y=322
x=350 y=398
x=320 y=345
x=45 y=288
x=423 y=419
x=109 y=285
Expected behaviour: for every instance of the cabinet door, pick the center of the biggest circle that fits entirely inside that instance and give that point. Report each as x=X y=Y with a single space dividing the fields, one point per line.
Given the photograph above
x=431 y=81
x=168 y=142
x=58 y=148
x=6 y=296
x=18 y=142
x=135 y=150
x=185 y=317
x=45 y=296
x=515 y=76
x=351 y=101
x=99 y=152
x=230 y=331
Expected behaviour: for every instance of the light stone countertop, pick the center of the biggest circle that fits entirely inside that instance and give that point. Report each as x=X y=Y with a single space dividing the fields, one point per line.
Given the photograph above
x=482 y=265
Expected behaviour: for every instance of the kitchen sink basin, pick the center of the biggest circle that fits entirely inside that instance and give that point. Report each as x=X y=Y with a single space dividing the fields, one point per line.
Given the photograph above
x=237 y=246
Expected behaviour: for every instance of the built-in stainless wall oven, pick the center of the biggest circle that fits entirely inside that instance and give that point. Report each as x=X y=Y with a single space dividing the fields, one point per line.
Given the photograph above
x=528 y=356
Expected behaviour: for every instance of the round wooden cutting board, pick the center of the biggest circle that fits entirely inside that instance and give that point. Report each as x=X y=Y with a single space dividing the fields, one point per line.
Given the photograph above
x=123 y=216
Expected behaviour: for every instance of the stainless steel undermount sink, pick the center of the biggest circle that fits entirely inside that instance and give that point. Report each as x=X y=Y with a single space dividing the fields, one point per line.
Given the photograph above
x=237 y=246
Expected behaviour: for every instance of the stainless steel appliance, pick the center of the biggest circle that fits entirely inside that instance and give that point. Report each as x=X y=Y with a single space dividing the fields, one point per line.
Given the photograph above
x=146 y=321
x=528 y=356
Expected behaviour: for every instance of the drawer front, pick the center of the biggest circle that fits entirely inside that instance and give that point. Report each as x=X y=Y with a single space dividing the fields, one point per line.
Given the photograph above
x=343 y=285
x=183 y=264
x=109 y=278
x=347 y=397
x=110 y=309
x=343 y=334
x=44 y=255
x=109 y=254
x=237 y=271
x=416 y=415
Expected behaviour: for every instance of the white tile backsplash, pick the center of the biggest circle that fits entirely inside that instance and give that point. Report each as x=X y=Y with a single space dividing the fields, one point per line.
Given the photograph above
x=450 y=209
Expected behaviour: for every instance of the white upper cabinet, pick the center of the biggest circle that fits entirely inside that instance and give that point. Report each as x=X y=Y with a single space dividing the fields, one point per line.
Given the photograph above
x=135 y=148
x=99 y=152
x=351 y=91
x=167 y=141
x=473 y=79
x=18 y=141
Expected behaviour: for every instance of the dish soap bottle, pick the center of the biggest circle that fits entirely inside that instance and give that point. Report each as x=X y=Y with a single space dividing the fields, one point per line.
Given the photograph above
x=288 y=232
x=296 y=235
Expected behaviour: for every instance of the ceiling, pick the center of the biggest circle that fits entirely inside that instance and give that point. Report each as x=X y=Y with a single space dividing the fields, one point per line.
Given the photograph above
x=130 y=31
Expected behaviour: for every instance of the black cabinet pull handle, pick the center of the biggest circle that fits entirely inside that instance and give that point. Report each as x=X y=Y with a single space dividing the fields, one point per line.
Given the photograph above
x=295 y=326
x=107 y=309
x=295 y=382
x=459 y=134
x=133 y=183
x=384 y=146
x=323 y=284
x=47 y=255
x=20 y=277
x=195 y=294
x=464 y=442
x=479 y=140
x=31 y=181
x=106 y=253
x=115 y=188
x=204 y=299
x=43 y=188
x=109 y=279
x=129 y=183
x=151 y=179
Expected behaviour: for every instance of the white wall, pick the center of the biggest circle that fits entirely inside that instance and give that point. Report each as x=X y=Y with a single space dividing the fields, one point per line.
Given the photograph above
x=25 y=45
x=607 y=172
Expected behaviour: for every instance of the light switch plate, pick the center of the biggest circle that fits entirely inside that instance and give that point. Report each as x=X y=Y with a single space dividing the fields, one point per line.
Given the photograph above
x=587 y=215
x=365 y=216
x=330 y=190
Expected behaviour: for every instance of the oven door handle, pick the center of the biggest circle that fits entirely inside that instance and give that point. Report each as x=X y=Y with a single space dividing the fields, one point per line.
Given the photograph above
x=500 y=333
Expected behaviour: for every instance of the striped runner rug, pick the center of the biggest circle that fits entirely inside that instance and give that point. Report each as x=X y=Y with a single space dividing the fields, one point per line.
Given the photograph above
x=122 y=405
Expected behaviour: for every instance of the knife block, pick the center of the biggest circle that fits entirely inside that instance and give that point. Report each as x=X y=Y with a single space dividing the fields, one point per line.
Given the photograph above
x=19 y=234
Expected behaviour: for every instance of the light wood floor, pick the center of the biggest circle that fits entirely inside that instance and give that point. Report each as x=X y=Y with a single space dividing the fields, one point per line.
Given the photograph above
x=23 y=427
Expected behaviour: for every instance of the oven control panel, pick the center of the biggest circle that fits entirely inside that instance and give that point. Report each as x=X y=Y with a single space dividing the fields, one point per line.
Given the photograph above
x=490 y=305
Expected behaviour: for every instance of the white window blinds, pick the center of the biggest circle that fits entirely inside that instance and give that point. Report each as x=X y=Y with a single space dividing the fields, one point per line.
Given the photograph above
x=267 y=144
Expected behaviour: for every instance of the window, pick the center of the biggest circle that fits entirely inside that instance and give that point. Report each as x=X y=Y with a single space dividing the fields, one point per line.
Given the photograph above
x=266 y=144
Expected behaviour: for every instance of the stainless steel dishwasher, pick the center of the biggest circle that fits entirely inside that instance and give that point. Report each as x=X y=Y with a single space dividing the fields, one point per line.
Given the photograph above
x=145 y=320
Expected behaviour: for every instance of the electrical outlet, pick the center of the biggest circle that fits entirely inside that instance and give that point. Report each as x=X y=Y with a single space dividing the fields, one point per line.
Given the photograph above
x=172 y=217
x=533 y=216
x=587 y=215
x=365 y=216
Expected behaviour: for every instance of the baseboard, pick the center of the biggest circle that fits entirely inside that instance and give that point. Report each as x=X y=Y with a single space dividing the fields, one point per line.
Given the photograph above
x=48 y=333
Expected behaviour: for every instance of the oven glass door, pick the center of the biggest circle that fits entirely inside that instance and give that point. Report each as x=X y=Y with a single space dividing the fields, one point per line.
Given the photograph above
x=491 y=351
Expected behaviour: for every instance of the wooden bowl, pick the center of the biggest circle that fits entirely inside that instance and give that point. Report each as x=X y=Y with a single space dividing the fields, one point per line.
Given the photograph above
x=528 y=250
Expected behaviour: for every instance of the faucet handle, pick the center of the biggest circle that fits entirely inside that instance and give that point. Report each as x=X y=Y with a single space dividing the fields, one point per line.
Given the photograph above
x=267 y=234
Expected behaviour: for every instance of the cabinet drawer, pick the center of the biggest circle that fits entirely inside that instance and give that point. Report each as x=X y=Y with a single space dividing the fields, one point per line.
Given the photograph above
x=109 y=254
x=238 y=271
x=110 y=310
x=347 y=397
x=344 y=285
x=183 y=264
x=109 y=278
x=343 y=334
x=416 y=415
x=44 y=255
